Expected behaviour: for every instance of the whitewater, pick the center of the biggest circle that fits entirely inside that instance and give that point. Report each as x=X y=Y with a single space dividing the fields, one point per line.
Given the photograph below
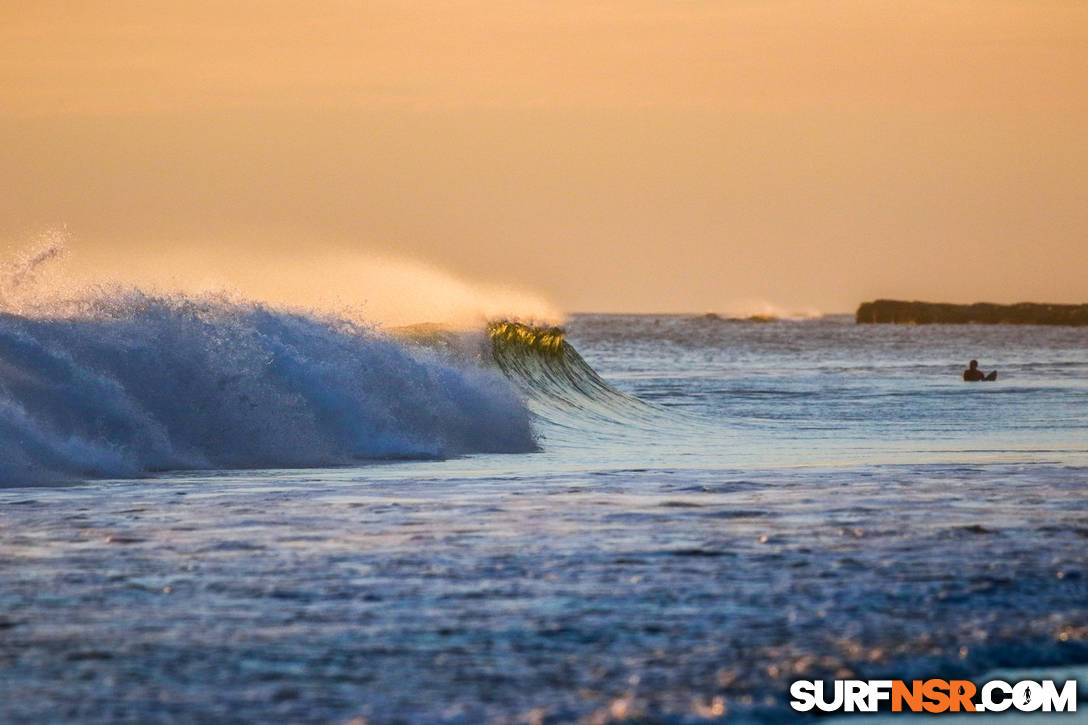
x=145 y=384
x=220 y=511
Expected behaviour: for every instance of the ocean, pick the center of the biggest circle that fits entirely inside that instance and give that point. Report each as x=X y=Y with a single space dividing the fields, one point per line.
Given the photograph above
x=212 y=512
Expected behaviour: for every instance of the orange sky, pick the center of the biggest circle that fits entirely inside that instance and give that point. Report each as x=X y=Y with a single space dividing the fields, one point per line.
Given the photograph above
x=644 y=155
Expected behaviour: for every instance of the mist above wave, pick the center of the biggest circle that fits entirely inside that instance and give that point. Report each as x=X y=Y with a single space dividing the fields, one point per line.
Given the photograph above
x=58 y=274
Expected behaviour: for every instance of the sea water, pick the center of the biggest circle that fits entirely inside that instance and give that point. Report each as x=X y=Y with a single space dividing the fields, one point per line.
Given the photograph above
x=705 y=510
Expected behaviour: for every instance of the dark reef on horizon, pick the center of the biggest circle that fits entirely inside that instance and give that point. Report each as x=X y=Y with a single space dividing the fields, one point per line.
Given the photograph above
x=982 y=313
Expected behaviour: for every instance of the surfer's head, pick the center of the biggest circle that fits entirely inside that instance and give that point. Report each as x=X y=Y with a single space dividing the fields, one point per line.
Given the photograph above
x=974 y=364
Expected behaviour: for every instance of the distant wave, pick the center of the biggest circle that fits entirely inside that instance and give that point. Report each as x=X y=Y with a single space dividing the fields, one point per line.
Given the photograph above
x=756 y=309
x=139 y=383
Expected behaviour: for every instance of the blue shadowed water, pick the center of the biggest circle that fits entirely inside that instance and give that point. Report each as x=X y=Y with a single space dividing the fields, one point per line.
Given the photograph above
x=728 y=507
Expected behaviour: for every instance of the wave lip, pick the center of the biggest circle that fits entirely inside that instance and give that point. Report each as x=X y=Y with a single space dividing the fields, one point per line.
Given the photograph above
x=551 y=369
x=150 y=383
x=565 y=393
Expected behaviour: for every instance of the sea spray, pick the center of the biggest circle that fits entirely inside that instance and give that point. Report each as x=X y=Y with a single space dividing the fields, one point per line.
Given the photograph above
x=20 y=275
x=58 y=270
x=138 y=383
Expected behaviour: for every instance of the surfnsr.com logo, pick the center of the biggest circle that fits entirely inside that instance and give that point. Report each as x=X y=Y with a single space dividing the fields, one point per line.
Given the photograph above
x=933 y=696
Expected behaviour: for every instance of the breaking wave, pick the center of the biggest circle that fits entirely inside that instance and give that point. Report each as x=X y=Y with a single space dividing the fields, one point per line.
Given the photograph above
x=117 y=382
x=136 y=383
x=554 y=375
x=571 y=403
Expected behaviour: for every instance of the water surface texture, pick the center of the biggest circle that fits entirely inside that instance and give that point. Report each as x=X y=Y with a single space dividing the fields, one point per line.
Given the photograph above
x=712 y=509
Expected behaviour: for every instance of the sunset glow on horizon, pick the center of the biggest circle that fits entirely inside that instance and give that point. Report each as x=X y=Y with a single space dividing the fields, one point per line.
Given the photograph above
x=643 y=156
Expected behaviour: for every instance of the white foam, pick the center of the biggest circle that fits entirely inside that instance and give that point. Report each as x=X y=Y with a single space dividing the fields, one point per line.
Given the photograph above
x=137 y=383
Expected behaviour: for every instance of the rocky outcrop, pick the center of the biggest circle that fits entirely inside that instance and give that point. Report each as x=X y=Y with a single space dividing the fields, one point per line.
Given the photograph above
x=982 y=313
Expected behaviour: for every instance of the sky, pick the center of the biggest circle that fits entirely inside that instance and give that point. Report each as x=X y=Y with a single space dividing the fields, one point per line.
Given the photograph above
x=607 y=155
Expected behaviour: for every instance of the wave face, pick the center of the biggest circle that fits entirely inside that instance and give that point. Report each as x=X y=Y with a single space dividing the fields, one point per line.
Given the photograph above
x=549 y=366
x=141 y=384
x=564 y=391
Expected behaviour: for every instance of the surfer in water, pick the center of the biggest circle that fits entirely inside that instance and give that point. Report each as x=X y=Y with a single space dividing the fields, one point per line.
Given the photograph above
x=973 y=375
